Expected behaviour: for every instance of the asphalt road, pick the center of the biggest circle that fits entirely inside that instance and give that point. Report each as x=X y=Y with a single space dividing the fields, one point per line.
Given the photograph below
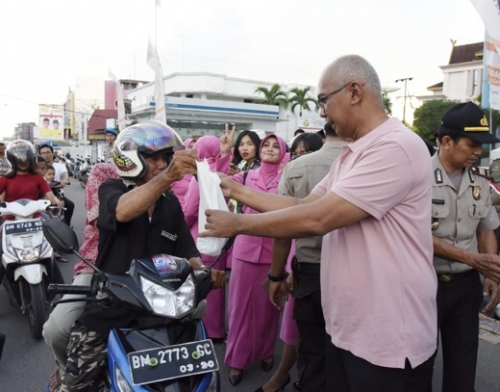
x=26 y=363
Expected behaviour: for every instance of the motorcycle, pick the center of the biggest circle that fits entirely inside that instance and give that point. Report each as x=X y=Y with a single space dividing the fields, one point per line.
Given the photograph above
x=28 y=260
x=83 y=174
x=166 y=348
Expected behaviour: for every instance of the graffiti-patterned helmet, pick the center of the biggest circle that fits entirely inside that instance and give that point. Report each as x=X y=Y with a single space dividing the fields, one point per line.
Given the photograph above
x=136 y=142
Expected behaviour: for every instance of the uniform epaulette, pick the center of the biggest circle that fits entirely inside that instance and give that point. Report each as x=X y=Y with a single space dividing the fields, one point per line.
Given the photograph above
x=481 y=171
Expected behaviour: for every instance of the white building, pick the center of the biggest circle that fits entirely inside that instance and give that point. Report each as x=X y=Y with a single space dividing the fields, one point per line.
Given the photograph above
x=202 y=103
x=86 y=95
x=462 y=76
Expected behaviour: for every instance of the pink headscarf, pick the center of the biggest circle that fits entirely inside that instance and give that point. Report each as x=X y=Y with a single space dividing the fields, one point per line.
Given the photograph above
x=269 y=171
x=208 y=147
x=187 y=142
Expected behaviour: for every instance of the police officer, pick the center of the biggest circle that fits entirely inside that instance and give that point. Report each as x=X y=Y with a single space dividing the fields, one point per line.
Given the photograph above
x=463 y=224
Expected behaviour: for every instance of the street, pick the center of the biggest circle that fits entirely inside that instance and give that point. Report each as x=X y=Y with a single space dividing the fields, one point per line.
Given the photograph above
x=26 y=363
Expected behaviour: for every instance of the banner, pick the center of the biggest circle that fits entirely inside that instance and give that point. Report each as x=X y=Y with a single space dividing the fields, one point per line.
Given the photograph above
x=154 y=62
x=51 y=122
x=120 y=104
x=489 y=11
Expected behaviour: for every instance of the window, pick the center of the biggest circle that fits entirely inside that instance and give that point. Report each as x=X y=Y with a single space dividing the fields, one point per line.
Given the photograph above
x=476 y=82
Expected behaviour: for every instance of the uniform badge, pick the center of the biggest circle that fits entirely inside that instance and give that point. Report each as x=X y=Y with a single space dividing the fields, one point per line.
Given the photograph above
x=438 y=176
x=476 y=192
x=434 y=225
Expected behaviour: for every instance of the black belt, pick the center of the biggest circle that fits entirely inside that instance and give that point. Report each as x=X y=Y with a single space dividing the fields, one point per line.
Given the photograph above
x=451 y=277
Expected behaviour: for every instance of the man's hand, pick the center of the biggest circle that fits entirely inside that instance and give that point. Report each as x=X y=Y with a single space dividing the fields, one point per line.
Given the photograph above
x=183 y=162
x=278 y=293
x=221 y=224
x=226 y=141
x=227 y=185
x=219 y=278
x=488 y=265
x=490 y=288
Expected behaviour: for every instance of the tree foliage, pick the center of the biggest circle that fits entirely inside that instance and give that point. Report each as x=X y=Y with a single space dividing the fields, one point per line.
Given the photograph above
x=273 y=96
x=300 y=97
x=427 y=118
x=387 y=103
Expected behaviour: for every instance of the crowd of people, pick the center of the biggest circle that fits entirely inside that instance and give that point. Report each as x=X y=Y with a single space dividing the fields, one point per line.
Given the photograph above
x=368 y=250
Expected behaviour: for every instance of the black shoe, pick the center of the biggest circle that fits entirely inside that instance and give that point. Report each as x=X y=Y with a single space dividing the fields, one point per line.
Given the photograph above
x=235 y=379
x=280 y=389
x=296 y=386
x=267 y=365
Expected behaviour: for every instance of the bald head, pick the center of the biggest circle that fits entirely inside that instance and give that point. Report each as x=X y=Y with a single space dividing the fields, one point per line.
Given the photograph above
x=354 y=68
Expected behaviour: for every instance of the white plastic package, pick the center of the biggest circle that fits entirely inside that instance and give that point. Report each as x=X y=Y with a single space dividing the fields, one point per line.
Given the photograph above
x=211 y=198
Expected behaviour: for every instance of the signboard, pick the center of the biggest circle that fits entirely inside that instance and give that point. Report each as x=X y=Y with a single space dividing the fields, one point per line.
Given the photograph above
x=51 y=122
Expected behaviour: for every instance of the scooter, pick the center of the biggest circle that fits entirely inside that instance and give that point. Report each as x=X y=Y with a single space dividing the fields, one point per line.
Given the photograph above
x=84 y=172
x=28 y=260
x=166 y=348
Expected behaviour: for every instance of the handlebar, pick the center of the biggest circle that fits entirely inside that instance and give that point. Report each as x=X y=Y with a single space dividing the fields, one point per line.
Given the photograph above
x=55 y=288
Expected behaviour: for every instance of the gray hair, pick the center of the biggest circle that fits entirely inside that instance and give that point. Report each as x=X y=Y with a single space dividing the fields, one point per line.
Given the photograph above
x=354 y=68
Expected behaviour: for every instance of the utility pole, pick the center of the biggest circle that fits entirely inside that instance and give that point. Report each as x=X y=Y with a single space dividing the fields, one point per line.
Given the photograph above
x=405 y=80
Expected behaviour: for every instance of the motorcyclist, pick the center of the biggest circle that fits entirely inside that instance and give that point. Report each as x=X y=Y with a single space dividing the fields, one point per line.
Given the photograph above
x=111 y=135
x=47 y=151
x=23 y=181
x=137 y=218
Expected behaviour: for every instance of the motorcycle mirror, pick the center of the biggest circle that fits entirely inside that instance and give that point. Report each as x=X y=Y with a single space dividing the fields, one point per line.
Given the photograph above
x=64 y=240
x=60 y=236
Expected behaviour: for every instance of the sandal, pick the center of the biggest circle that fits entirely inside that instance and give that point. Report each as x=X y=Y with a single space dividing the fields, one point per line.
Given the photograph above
x=54 y=381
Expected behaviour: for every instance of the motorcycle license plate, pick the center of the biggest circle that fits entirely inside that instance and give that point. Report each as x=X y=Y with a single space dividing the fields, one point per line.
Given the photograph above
x=166 y=363
x=22 y=227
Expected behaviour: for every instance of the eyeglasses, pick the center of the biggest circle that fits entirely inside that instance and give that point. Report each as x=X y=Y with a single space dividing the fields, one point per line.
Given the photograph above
x=46 y=153
x=324 y=99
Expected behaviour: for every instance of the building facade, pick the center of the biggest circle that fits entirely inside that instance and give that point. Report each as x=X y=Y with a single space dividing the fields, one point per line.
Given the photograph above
x=202 y=103
x=462 y=76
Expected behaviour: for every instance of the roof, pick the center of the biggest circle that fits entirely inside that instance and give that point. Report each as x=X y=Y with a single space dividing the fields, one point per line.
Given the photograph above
x=98 y=119
x=466 y=53
x=436 y=87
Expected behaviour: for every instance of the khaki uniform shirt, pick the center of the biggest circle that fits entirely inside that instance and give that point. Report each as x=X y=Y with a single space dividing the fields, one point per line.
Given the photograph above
x=298 y=180
x=460 y=214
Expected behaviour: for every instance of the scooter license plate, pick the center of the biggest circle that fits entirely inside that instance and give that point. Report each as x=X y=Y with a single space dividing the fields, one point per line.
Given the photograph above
x=166 y=363
x=22 y=227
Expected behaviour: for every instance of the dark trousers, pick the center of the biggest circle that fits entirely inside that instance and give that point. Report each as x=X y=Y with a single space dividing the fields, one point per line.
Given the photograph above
x=308 y=315
x=458 y=303
x=68 y=213
x=348 y=373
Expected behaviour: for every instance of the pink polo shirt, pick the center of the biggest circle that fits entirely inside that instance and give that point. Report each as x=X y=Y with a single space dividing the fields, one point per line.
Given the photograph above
x=378 y=283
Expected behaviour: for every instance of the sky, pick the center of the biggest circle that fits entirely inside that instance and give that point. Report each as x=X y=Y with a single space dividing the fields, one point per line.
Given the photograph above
x=46 y=44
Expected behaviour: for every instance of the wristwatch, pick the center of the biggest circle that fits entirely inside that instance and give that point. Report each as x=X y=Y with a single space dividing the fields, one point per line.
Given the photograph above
x=276 y=278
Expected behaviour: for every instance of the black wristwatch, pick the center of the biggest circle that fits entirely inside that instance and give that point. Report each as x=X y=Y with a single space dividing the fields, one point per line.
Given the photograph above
x=276 y=278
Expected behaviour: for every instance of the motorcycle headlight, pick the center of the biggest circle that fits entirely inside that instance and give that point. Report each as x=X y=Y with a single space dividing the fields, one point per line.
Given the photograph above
x=174 y=304
x=28 y=255
x=121 y=382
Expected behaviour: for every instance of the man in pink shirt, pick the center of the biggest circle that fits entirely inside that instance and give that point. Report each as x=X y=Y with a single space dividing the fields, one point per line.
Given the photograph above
x=378 y=283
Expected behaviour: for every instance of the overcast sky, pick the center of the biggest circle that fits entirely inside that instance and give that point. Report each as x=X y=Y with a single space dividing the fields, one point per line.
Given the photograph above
x=44 y=44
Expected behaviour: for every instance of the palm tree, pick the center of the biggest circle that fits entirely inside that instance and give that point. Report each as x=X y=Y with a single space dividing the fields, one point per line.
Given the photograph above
x=387 y=103
x=273 y=96
x=301 y=99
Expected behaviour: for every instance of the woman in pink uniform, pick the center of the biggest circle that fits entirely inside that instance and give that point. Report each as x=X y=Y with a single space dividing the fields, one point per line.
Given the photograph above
x=218 y=158
x=180 y=187
x=253 y=320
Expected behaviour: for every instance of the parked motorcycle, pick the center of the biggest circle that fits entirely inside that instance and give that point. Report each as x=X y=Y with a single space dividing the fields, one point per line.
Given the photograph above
x=84 y=172
x=166 y=348
x=28 y=260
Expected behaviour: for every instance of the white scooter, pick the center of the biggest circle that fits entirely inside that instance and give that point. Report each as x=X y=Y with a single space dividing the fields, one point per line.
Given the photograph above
x=28 y=260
